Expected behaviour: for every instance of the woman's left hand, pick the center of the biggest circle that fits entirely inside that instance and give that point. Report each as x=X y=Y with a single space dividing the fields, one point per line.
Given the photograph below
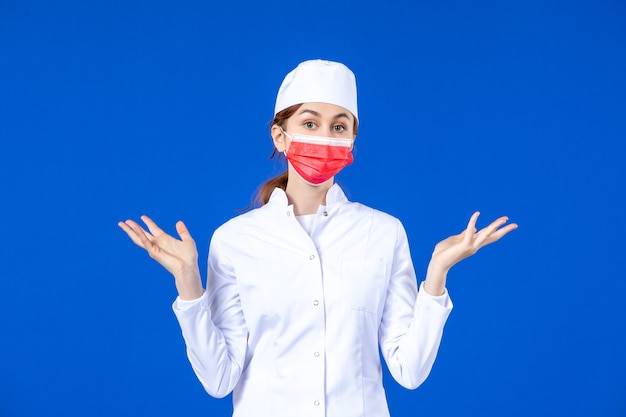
x=454 y=249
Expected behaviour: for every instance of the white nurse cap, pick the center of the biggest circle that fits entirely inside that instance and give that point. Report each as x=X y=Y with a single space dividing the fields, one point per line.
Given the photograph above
x=318 y=81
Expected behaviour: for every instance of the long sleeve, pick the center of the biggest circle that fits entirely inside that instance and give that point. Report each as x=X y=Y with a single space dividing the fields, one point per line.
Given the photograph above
x=215 y=331
x=291 y=322
x=412 y=323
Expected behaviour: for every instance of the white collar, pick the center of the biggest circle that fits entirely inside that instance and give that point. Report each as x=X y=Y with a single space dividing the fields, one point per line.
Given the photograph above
x=334 y=195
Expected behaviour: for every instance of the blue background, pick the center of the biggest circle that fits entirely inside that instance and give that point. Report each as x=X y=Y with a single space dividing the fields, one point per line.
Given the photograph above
x=110 y=110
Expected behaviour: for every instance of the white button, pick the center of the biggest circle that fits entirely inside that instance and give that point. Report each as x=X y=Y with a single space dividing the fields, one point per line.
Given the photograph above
x=288 y=214
x=312 y=257
x=316 y=403
x=315 y=302
x=316 y=354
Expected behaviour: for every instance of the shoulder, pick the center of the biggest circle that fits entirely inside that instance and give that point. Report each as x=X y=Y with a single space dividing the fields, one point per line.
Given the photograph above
x=373 y=218
x=243 y=223
x=361 y=209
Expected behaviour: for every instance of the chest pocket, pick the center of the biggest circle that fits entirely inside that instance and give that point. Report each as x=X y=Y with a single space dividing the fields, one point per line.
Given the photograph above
x=364 y=284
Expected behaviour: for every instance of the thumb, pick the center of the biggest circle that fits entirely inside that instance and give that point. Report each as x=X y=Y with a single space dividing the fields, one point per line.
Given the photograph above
x=182 y=231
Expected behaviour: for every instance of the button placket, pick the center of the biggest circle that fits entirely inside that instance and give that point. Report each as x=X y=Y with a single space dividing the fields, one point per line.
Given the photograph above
x=316 y=358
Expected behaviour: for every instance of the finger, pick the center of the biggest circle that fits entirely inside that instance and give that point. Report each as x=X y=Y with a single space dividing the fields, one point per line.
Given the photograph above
x=136 y=227
x=132 y=234
x=471 y=227
x=183 y=232
x=472 y=221
x=498 y=234
x=155 y=251
x=142 y=238
x=152 y=226
x=126 y=229
x=487 y=231
x=501 y=232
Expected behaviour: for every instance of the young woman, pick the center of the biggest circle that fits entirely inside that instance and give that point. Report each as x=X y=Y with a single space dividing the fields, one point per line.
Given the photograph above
x=302 y=292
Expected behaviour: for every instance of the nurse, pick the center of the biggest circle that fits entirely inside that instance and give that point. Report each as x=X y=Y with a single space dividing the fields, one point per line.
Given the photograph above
x=303 y=291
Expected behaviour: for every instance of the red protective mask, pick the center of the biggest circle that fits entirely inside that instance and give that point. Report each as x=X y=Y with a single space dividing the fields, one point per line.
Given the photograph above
x=316 y=158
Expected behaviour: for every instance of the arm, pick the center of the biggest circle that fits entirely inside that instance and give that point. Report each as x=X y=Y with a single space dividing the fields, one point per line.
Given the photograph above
x=212 y=325
x=412 y=325
x=214 y=328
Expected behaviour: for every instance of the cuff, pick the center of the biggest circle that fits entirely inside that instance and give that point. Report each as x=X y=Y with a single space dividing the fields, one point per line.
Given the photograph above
x=183 y=305
x=443 y=300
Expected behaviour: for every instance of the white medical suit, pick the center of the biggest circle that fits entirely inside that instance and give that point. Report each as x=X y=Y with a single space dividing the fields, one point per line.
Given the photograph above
x=292 y=322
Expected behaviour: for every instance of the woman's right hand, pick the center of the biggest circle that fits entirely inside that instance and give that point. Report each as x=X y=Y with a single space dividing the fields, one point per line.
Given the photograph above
x=179 y=257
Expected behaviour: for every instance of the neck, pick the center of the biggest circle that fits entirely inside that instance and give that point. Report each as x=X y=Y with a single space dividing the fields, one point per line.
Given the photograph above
x=306 y=199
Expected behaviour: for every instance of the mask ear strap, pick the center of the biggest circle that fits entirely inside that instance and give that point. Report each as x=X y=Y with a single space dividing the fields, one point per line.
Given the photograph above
x=283 y=130
x=286 y=134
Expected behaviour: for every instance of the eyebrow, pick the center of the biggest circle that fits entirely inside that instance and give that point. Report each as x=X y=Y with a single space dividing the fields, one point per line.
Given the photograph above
x=316 y=114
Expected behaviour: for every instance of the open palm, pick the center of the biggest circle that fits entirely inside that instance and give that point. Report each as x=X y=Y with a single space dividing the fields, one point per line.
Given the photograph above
x=454 y=249
x=179 y=257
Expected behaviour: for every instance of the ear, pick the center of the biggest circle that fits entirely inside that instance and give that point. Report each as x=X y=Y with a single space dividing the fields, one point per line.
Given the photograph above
x=278 y=137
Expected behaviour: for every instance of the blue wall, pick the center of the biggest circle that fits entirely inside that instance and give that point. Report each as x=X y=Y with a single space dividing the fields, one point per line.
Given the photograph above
x=109 y=110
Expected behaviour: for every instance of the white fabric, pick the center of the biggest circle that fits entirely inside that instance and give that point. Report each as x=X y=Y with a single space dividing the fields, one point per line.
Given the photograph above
x=307 y=221
x=318 y=81
x=293 y=323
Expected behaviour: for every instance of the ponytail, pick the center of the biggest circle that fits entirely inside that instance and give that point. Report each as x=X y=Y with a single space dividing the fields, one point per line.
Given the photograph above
x=280 y=181
x=264 y=193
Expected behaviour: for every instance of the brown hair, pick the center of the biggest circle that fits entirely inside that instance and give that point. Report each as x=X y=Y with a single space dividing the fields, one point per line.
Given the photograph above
x=280 y=181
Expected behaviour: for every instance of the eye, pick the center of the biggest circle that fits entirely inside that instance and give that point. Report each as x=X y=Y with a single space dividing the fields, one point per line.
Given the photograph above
x=339 y=128
x=310 y=125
